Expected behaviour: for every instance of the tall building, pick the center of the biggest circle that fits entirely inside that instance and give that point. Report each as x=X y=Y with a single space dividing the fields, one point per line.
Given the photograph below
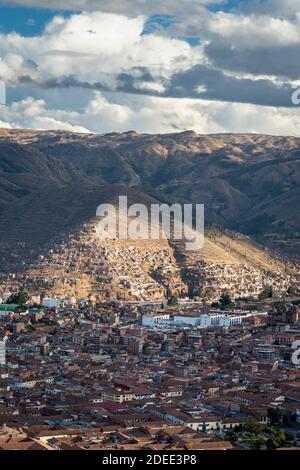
x=2 y=353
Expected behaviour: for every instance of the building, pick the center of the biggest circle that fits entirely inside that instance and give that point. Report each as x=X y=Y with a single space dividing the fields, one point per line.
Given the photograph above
x=135 y=345
x=7 y=309
x=117 y=395
x=50 y=302
x=209 y=319
x=156 y=320
x=200 y=318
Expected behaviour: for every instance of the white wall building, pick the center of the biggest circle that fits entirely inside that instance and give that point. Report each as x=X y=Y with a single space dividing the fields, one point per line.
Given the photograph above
x=190 y=320
x=198 y=319
x=156 y=320
x=208 y=320
x=49 y=302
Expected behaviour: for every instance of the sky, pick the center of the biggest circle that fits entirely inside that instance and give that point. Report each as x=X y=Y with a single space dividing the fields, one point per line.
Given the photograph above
x=155 y=67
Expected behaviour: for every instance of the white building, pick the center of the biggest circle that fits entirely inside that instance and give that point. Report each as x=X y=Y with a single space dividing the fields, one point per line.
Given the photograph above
x=49 y=302
x=208 y=320
x=156 y=320
x=190 y=320
x=198 y=319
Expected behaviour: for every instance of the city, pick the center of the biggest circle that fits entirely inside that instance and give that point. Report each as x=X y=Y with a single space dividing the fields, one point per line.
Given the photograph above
x=91 y=375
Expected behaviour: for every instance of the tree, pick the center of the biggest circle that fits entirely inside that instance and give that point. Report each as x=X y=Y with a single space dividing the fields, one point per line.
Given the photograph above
x=252 y=425
x=291 y=290
x=276 y=441
x=271 y=444
x=173 y=300
x=225 y=300
x=196 y=292
x=19 y=298
x=266 y=293
x=215 y=305
x=257 y=443
x=275 y=416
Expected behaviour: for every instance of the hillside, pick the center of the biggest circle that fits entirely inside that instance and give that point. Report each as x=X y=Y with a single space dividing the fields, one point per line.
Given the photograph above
x=248 y=183
x=52 y=183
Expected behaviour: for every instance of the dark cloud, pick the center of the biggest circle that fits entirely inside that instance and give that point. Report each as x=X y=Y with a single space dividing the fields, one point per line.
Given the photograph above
x=63 y=82
x=280 y=61
x=199 y=82
x=130 y=7
x=279 y=8
x=127 y=82
x=213 y=85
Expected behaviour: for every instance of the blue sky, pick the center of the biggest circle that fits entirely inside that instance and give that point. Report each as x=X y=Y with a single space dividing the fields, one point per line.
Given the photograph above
x=29 y=21
x=26 y=21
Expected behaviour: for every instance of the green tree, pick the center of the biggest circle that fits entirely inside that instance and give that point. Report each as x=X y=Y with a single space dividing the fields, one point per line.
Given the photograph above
x=291 y=290
x=253 y=426
x=215 y=305
x=275 y=416
x=225 y=300
x=266 y=293
x=173 y=300
x=271 y=444
x=19 y=298
x=196 y=292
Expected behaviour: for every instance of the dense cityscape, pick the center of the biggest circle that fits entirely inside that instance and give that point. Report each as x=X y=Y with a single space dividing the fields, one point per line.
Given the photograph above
x=79 y=374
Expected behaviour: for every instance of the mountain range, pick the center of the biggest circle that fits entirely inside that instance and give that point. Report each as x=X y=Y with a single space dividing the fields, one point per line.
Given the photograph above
x=51 y=183
x=248 y=183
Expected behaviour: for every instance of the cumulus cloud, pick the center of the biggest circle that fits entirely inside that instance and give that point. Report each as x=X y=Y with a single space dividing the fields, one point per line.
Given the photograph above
x=253 y=31
x=238 y=78
x=182 y=12
x=206 y=82
x=88 y=50
x=281 y=8
x=31 y=113
x=280 y=61
x=156 y=6
x=92 y=47
x=255 y=43
x=152 y=114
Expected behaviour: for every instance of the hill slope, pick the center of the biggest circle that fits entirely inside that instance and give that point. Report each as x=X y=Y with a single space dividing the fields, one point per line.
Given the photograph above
x=249 y=183
x=52 y=183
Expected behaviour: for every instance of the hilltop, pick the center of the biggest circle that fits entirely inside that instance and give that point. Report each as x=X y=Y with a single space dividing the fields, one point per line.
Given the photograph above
x=52 y=182
x=248 y=183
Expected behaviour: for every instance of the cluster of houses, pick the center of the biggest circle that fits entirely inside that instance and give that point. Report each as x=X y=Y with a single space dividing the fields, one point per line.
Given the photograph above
x=119 y=375
x=211 y=280
x=80 y=264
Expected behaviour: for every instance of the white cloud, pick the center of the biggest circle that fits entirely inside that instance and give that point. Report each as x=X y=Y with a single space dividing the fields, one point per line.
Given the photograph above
x=30 y=113
x=283 y=8
x=93 y=47
x=157 y=115
x=252 y=31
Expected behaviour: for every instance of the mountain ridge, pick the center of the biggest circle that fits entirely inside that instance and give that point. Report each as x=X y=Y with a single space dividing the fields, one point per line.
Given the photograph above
x=248 y=182
x=52 y=183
